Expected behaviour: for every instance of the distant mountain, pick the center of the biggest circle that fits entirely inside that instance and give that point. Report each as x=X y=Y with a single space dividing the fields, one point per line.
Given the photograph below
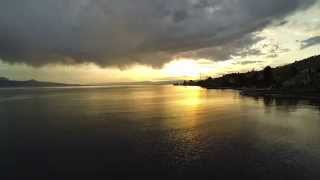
x=5 y=82
x=140 y=83
x=300 y=76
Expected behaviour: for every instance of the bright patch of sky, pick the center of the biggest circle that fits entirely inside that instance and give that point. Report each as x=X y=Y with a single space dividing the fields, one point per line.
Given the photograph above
x=281 y=44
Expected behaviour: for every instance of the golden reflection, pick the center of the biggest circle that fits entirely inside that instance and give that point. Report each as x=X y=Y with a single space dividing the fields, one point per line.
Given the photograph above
x=185 y=108
x=191 y=96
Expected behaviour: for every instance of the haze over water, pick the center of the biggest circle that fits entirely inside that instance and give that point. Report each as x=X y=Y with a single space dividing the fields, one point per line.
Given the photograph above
x=157 y=131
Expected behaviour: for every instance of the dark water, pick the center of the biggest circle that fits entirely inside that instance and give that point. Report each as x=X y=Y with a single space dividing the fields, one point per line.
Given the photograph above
x=156 y=131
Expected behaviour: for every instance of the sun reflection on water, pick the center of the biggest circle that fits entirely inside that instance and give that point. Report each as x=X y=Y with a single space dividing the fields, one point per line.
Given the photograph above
x=192 y=96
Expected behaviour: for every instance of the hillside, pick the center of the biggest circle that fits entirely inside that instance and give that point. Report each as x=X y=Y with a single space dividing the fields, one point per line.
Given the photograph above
x=298 y=76
x=5 y=82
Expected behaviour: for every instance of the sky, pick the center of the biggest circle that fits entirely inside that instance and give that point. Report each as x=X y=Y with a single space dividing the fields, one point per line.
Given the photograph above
x=97 y=41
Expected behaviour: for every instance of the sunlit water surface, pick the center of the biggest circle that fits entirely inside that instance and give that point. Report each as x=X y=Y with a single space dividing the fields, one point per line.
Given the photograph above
x=157 y=131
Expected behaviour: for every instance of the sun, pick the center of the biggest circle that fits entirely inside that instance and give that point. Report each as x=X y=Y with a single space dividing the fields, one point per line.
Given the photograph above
x=183 y=68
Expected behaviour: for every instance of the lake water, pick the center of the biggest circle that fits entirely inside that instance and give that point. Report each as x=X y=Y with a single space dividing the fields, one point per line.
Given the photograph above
x=156 y=131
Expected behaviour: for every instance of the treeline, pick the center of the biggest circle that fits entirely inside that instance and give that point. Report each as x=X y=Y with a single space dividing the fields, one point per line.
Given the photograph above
x=301 y=75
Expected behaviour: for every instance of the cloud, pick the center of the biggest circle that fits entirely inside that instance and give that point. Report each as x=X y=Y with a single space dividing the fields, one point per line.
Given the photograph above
x=310 y=42
x=249 y=62
x=123 y=32
x=234 y=46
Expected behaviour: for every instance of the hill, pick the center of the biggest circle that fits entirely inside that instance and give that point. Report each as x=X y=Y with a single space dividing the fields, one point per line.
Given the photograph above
x=301 y=76
x=5 y=82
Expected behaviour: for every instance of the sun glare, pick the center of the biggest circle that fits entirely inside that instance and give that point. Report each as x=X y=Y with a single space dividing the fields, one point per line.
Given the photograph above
x=183 y=68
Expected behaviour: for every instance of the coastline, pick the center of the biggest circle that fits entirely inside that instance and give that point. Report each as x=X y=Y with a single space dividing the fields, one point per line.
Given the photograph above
x=275 y=93
x=309 y=94
x=298 y=80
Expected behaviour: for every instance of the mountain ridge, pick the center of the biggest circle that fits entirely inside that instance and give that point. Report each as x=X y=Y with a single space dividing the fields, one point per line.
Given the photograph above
x=5 y=82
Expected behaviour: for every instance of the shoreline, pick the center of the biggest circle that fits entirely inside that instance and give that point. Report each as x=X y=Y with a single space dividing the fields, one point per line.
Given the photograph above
x=273 y=93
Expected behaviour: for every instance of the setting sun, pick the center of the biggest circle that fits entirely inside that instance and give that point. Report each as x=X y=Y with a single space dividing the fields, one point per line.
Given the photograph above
x=184 y=68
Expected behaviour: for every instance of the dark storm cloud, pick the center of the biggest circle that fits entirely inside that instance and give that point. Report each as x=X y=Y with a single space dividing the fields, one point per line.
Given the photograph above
x=310 y=42
x=122 y=32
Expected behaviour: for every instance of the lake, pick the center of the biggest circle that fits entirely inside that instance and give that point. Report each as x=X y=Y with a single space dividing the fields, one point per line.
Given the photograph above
x=156 y=131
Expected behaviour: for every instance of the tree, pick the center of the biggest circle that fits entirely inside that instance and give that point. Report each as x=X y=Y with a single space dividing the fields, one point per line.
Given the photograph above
x=267 y=76
x=293 y=71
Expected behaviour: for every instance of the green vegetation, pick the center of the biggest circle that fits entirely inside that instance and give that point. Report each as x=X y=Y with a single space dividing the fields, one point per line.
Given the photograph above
x=301 y=76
